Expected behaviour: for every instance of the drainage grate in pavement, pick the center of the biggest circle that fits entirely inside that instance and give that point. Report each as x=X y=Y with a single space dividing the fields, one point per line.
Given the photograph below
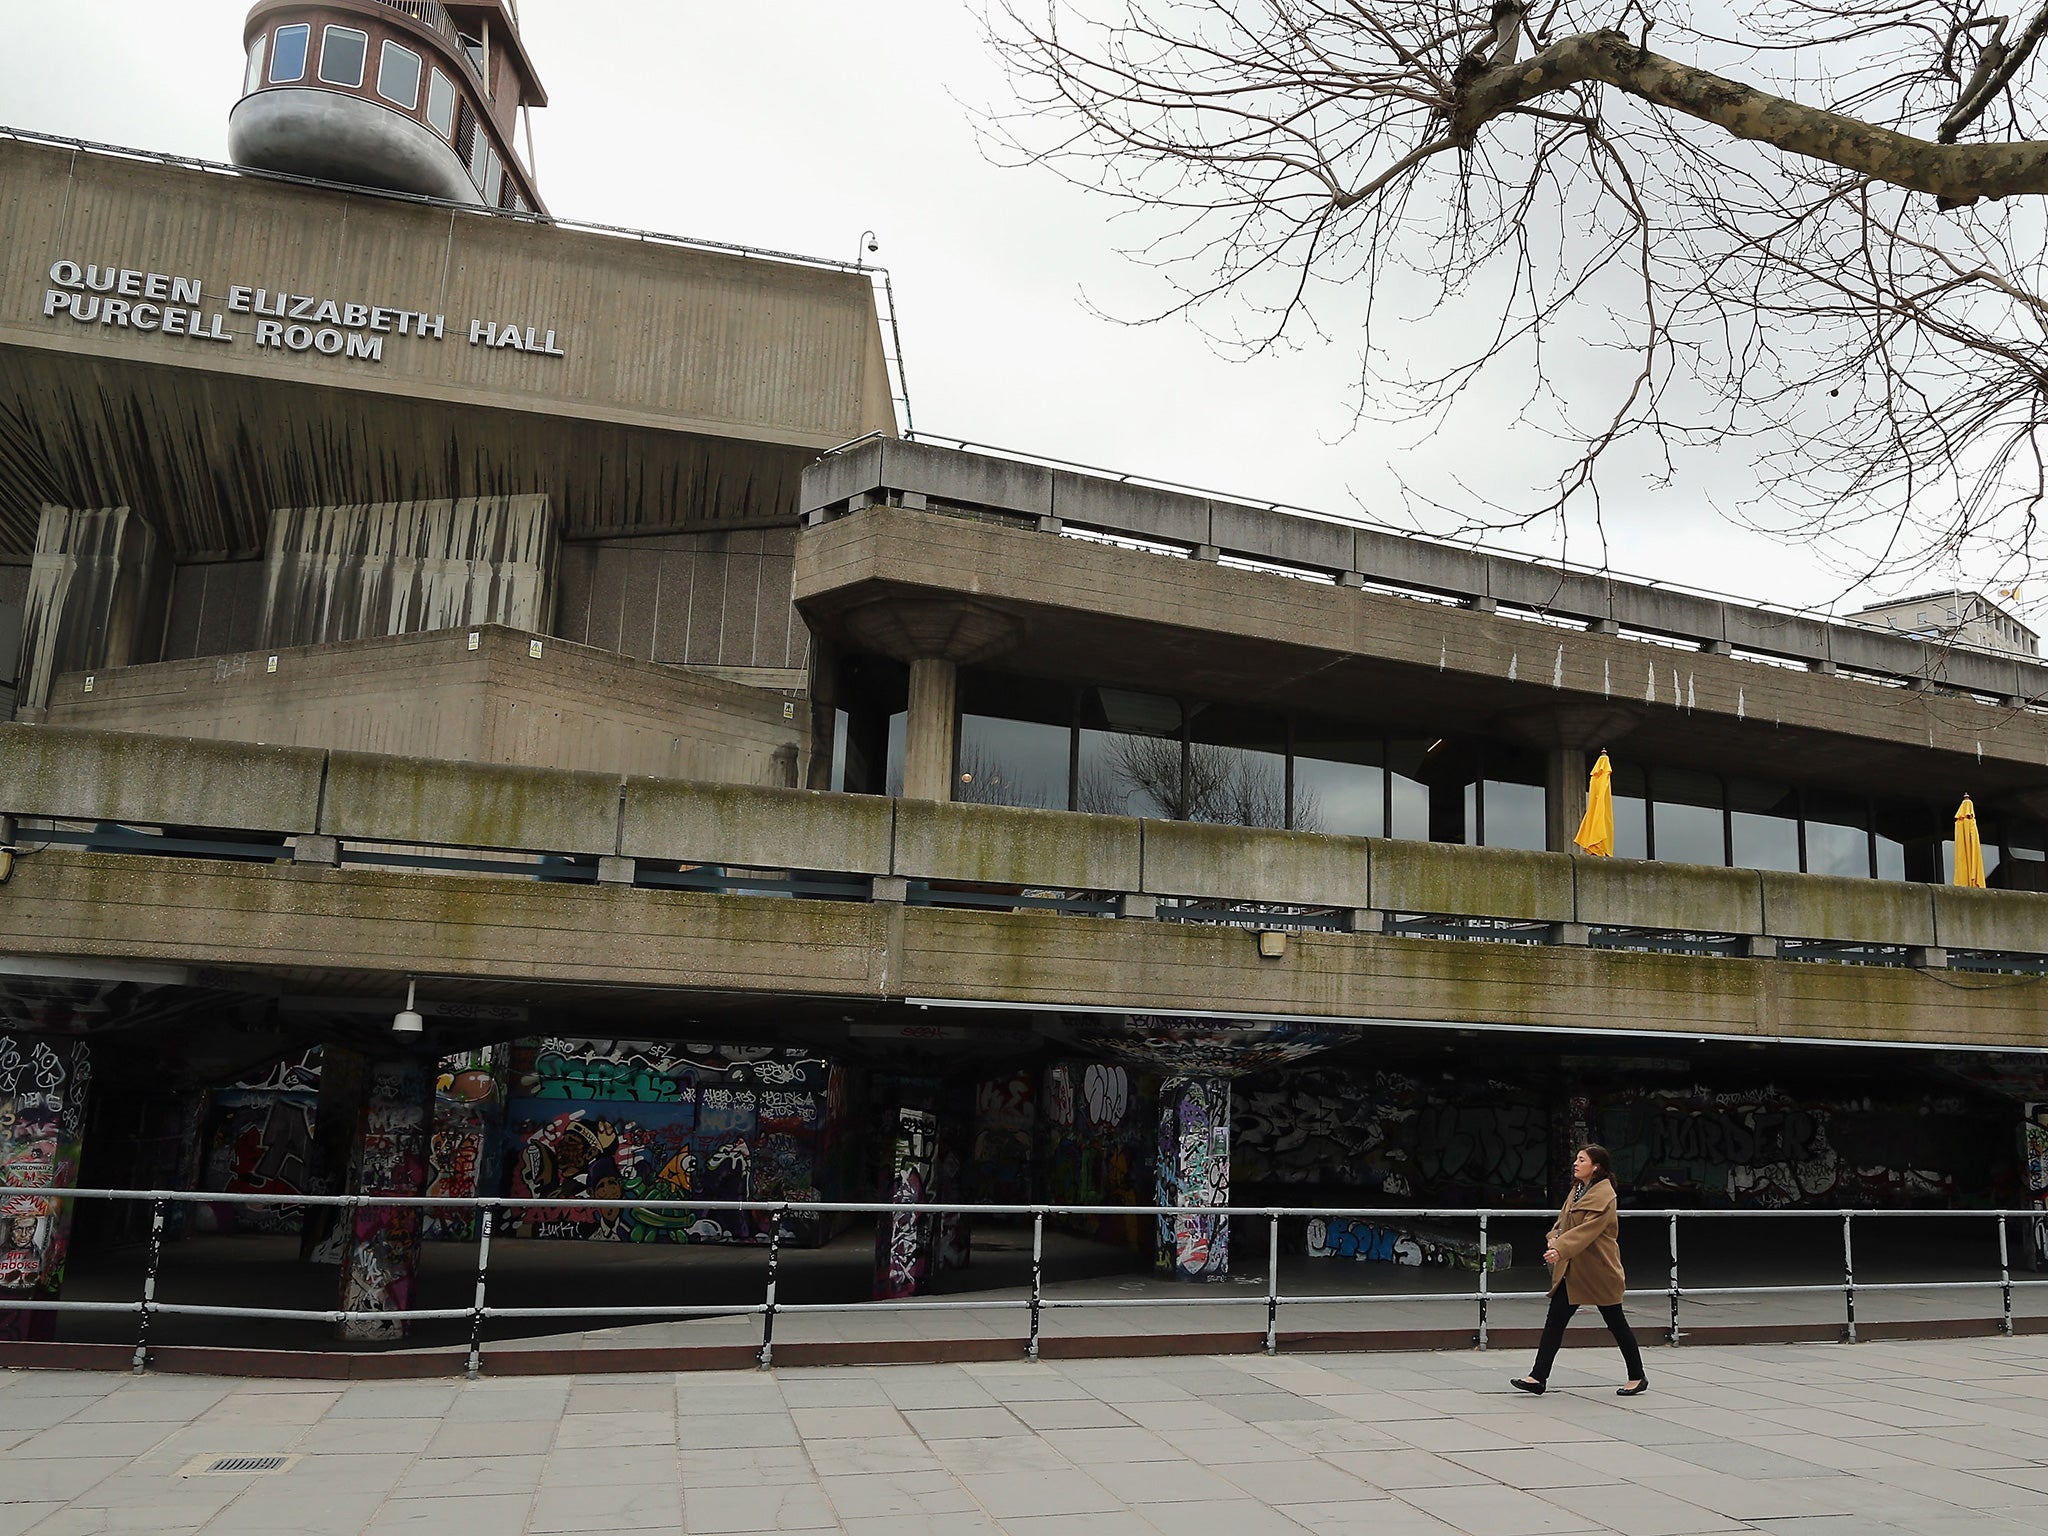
x=200 y=1466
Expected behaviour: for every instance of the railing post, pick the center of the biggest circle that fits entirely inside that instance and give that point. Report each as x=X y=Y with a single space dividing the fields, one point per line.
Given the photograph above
x=156 y=1258
x=476 y=1314
x=768 y=1311
x=1849 y=1275
x=2004 y=1277
x=1674 y=1278
x=1273 y=1283
x=1485 y=1269
x=1037 y=1279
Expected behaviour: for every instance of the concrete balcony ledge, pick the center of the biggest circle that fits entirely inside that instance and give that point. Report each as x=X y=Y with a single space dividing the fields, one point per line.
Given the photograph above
x=884 y=471
x=73 y=775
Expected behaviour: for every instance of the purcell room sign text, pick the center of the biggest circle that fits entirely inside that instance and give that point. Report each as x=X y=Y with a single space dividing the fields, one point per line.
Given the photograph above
x=289 y=322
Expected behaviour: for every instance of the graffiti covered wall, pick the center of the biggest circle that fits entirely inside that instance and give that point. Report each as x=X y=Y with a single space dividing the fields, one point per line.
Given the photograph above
x=906 y=1245
x=1100 y=1135
x=623 y=1119
x=2034 y=1169
x=1453 y=1138
x=43 y=1087
x=468 y=1144
x=258 y=1141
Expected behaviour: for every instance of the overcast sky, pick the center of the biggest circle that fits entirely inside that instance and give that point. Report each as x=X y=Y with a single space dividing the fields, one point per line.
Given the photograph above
x=799 y=125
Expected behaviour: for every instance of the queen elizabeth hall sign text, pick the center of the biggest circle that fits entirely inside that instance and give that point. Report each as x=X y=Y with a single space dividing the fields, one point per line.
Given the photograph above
x=290 y=322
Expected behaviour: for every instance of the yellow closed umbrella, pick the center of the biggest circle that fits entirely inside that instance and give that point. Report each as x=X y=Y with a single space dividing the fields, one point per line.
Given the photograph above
x=1969 y=847
x=1596 y=828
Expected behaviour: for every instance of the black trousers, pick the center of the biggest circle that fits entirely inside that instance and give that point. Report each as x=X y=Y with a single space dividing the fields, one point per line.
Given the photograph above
x=1561 y=1310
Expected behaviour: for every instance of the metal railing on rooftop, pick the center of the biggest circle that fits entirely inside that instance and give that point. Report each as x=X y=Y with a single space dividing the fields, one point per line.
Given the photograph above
x=148 y=1305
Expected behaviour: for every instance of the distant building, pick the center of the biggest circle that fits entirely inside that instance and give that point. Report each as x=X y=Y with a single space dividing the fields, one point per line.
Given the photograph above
x=1954 y=618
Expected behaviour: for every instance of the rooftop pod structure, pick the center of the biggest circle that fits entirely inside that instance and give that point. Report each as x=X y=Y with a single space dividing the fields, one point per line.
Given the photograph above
x=406 y=95
x=540 y=635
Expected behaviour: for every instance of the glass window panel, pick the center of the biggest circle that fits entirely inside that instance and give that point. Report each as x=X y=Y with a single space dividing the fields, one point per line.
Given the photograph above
x=1763 y=825
x=1130 y=755
x=254 y=77
x=1340 y=783
x=842 y=723
x=892 y=781
x=1016 y=741
x=494 y=178
x=1408 y=796
x=343 y=53
x=441 y=104
x=1237 y=766
x=479 y=155
x=1513 y=809
x=398 y=75
x=288 y=54
x=1631 y=813
x=1837 y=834
x=1685 y=821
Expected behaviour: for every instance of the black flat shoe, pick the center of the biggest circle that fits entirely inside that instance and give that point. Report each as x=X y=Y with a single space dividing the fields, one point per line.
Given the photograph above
x=1637 y=1390
x=1525 y=1384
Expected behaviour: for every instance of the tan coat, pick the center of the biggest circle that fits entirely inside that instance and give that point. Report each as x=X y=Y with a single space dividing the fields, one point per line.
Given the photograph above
x=1588 y=1250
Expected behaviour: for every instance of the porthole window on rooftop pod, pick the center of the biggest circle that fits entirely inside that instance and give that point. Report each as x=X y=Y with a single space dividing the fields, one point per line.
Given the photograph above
x=257 y=52
x=398 y=75
x=288 y=54
x=343 y=53
x=441 y=104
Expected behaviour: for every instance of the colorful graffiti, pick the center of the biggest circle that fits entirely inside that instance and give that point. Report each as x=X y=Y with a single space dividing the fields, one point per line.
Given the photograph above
x=469 y=1103
x=1354 y=1237
x=905 y=1244
x=43 y=1087
x=1194 y=1169
x=257 y=1143
x=1100 y=1154
x=662 y=1121
x=1005 y=1117
x=2034 y=1169
x=383 y=1254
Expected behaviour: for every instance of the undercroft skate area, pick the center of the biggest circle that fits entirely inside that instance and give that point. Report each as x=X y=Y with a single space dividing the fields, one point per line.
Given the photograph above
x=1879 y=1439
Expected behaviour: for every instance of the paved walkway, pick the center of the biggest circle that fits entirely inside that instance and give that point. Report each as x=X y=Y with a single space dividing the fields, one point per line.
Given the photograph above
x=1795 y=1440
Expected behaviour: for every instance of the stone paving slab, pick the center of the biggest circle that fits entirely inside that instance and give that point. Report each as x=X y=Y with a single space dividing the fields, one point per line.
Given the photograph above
x=1939 y=1438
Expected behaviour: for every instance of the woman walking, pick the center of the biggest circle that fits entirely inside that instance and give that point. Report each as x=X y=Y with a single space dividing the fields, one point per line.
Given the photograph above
x=1584 y=1255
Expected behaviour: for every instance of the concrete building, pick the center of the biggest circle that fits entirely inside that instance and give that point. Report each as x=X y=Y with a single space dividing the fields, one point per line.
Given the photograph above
x=546 y=636
x=1954 y=618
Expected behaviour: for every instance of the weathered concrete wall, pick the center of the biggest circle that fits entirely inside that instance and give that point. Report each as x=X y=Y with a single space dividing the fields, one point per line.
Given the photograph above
x=356 y=573
x=95 y=596
x=694 y=383
x=430 y=696
x=216 y=608
x=609 y=810
x=700 y=599
x=393 y=923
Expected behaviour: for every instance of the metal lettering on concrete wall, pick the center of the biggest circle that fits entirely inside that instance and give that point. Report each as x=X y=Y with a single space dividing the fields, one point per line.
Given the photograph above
x=169 y=304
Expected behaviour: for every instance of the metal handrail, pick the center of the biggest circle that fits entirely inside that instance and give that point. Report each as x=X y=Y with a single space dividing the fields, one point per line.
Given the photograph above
x=1036 y=1303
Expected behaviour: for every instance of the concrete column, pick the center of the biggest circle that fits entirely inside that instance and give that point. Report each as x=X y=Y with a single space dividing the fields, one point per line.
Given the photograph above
x=2034 y=1169
x=906 y=1246
x=43 y=1084
x=1564 y=796
x=1194 y=1169
x=393 y=1149
x=1567 y=735
x=96 y=593
x=930 y=729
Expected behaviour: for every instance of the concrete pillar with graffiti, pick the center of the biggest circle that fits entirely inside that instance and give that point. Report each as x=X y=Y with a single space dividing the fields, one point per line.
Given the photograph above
x=1194 y=1169
x=43 y=1086
x=906 y=1244
x=2034 y=1168
x=392 y=1158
